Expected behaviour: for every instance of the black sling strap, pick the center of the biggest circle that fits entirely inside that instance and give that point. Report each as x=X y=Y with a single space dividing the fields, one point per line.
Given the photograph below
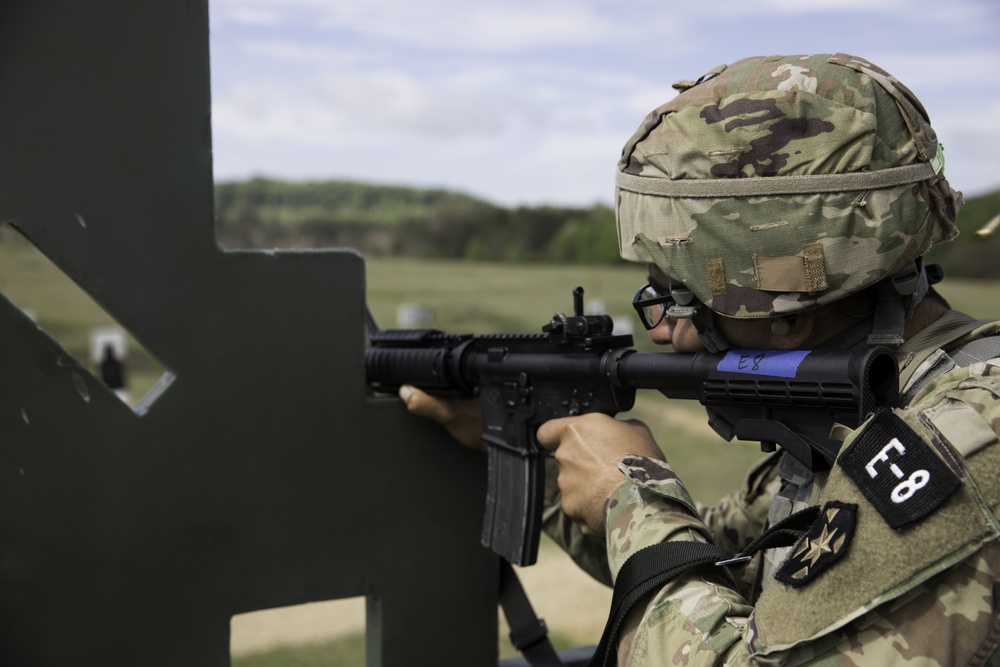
x=528 y=633
x=649 y=569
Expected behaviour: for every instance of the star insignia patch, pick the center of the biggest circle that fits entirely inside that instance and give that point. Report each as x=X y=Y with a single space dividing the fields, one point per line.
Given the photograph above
x=824 y=544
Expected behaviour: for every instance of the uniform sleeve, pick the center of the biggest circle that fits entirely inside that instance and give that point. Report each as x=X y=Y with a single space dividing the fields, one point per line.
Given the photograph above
x=695 y=619
x=897 y=597
x=734 y=521
x=740 y=516
x=587 y=551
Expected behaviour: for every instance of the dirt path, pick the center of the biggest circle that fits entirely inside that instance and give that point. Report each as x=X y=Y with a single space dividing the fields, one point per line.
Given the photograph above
x=572 y=604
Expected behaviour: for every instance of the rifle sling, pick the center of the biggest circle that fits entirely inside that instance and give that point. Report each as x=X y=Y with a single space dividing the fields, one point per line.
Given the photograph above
x=647 y=570
x=528 y=633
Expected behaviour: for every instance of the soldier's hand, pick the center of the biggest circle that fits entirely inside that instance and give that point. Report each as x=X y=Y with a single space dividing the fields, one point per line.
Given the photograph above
x=463 y=418
x=588 y=449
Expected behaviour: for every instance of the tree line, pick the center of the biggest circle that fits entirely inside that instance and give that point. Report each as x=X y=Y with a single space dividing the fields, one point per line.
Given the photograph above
x=439 y=224
x=410 y=222
x=972 y=255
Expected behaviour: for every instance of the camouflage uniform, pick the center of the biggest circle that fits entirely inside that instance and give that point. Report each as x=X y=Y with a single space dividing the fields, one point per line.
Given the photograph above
x=766 y=188
x=923 y=595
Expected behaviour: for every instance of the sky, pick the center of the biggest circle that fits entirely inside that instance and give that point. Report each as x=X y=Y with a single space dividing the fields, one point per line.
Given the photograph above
x=529 y=102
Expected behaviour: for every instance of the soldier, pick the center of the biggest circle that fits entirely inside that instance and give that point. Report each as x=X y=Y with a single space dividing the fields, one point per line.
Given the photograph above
x=786 y=203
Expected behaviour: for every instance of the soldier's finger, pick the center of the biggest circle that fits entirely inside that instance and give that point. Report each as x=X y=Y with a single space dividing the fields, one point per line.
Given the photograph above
x=424 y=405
x=550 y=433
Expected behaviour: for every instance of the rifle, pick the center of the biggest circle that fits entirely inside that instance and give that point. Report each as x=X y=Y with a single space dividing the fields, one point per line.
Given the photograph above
x=577 y=365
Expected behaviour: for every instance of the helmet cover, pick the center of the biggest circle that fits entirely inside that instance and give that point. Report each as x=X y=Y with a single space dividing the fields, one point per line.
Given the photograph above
x=777 y=184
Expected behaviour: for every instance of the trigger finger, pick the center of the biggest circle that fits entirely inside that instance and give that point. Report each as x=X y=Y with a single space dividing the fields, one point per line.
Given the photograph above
x=550 y=433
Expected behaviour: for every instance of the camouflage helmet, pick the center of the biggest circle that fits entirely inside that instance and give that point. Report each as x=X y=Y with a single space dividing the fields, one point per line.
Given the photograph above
x=777 y=184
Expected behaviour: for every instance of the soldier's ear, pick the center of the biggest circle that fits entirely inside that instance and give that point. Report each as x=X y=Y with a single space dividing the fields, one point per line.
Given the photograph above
x=791 y=333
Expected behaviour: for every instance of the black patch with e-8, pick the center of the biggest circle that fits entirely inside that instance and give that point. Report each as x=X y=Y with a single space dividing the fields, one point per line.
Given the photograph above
x=824 y=544
x=897 y=471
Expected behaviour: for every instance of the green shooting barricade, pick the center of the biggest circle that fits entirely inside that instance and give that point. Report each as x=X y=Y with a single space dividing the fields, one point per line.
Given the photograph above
x=258 y=474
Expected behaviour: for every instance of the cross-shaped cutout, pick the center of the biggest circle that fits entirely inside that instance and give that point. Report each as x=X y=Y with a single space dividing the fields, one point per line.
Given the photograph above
x=265 y=476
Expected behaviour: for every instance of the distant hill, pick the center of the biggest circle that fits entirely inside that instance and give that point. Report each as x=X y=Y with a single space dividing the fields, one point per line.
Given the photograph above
x=401 y=221
x=335 y=202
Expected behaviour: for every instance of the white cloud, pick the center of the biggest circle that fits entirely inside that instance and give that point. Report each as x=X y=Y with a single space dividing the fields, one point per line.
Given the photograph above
x=531 y=100
x=972 y=144
x=497 y=26
x=297 y=54
x=965 y=68
x=479 y=27
x=388 y=103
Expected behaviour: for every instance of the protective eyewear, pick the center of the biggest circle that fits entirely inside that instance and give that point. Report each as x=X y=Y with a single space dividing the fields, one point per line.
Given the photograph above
x=651 y=305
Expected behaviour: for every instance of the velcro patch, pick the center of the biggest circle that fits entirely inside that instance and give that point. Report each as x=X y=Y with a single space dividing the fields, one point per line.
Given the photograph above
x=824 y=544
x=897 y=471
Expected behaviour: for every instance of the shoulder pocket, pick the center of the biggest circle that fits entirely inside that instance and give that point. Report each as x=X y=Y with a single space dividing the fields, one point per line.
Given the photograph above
x=882 y=563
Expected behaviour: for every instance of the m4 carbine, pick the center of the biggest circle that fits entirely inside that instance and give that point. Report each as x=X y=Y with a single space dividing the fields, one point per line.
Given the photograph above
x=577 y=365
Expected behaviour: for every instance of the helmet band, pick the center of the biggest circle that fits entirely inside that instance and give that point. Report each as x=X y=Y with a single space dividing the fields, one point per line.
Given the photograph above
x=778 y=185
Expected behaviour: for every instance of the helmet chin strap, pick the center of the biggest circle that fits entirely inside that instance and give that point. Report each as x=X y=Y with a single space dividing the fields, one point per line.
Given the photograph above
x=849 y=337
x=898 y=297
x=711 y=337
x=688 y=307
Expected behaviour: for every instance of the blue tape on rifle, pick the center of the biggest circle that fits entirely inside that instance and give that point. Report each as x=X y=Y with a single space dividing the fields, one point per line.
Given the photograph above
x=777 y=363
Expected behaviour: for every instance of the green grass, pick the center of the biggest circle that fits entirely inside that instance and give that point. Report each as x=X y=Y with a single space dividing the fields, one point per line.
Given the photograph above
x=30 y=281
x=481 y=298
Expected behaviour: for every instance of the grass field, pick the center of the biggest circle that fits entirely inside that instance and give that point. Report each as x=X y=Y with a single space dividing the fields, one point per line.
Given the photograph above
x=463 y=298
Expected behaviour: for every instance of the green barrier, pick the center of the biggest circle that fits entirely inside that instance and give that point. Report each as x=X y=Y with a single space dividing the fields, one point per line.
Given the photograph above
x=258 y=474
